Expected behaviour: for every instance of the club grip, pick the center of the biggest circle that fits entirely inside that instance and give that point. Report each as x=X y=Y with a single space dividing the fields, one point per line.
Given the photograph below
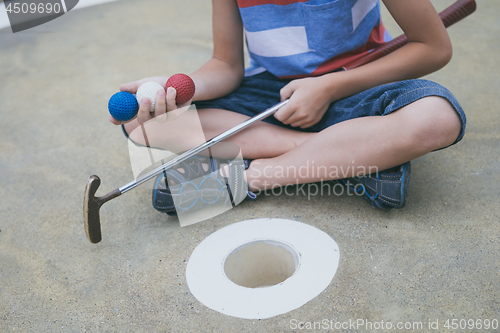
x=449 y=16
x=457 y=11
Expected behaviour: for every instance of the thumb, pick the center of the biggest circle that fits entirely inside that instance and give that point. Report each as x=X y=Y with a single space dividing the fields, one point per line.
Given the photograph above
x=287 y=91
x=130 y=87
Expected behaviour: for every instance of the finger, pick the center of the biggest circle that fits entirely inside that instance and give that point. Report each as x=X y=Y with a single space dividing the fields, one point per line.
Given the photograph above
x=301 y=124
x=171 y=95
x=130 y=87
x=291 y=113
x=287 y=91
x=285 y=114
x=299 y=119
x=308 y=123
x=299 y=115
x=297 y=122
x=160 y=104
x=144 y=115
x=116 y=122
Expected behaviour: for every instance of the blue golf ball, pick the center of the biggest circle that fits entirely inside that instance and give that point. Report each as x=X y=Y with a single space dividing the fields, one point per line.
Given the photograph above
x=123 y=106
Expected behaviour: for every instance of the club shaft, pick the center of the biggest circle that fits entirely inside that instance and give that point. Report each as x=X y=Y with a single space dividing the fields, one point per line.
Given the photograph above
x=196 y=150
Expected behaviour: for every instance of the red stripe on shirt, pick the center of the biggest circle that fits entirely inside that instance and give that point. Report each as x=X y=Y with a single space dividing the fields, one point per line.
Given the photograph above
x=251 y=3
x=376 y=39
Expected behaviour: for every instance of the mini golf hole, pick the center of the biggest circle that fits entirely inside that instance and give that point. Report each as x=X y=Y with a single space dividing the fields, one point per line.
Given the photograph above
x=261 y=264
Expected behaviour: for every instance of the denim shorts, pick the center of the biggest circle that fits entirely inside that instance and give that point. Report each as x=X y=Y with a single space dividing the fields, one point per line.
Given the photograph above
x=262 y=91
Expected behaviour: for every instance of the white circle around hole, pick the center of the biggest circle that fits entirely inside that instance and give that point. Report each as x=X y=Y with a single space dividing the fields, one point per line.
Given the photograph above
x=315 y=259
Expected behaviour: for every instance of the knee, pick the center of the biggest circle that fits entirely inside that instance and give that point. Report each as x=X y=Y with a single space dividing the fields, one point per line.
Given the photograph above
x=440 y=125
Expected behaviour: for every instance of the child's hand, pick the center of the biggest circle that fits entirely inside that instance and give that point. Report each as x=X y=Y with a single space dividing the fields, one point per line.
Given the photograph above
x=165 y=101
x=309 y=100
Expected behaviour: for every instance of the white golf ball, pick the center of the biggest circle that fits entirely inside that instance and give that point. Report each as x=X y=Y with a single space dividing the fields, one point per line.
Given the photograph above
x=148 y=89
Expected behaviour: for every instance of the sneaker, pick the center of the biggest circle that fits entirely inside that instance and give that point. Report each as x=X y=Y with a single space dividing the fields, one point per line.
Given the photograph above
x=197 y=182
x=386 y=190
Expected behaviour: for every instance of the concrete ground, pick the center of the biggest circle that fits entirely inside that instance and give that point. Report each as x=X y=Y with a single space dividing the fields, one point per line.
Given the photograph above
x=437 y=259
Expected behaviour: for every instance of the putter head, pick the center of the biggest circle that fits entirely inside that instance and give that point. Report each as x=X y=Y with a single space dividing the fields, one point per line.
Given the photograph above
x=91 y=207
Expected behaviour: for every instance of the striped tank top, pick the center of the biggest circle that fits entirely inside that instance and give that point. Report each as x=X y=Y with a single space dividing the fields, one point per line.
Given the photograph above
x=301 y=38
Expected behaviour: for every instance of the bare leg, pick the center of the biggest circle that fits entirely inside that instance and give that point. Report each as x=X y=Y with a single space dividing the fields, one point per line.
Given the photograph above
x=347 y=149
x=361 y=146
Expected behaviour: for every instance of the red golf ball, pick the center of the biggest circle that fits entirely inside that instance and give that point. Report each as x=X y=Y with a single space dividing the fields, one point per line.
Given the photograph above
x=184 y=86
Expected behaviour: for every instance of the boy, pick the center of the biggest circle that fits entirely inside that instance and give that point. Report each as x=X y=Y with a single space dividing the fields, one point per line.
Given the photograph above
x=374 y=116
